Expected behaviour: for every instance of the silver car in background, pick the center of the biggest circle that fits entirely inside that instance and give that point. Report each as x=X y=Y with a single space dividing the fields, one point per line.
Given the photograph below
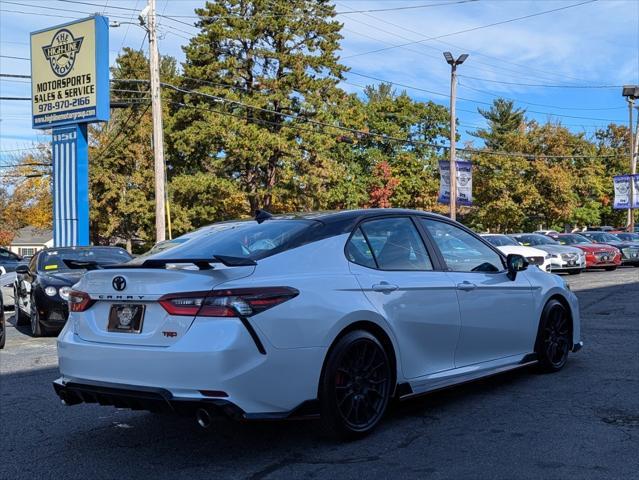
x=563 y=258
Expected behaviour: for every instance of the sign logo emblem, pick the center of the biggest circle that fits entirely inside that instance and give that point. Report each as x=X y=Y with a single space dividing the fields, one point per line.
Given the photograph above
x=119 y=283
x=126 y=315
x=62 y=51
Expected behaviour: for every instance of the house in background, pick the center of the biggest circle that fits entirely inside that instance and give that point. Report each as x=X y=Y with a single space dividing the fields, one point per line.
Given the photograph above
x=29 y=240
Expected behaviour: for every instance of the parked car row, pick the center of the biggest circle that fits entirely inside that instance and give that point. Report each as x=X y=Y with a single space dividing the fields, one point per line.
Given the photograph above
x=571 y=252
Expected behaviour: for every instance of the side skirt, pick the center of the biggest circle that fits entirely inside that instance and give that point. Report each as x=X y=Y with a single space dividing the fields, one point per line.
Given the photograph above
x=459 y=376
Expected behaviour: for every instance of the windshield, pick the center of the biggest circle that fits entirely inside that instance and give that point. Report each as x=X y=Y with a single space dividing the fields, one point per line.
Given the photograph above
x=501 y=240
x=533 y=239
x=602 y=237
x=629 y=237
x=573 y=240
x=248 y=239
x=53 y=260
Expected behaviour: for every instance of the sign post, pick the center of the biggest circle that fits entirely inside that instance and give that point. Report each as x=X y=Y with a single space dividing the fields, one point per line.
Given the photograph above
x=69 y=89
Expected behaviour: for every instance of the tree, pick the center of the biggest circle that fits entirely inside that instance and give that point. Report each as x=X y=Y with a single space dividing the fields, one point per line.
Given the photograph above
x=25 y=192
x=504 y=120
x=280 y=58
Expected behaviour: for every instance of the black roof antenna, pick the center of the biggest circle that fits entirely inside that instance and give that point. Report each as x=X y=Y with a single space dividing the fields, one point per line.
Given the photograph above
x=261 y=215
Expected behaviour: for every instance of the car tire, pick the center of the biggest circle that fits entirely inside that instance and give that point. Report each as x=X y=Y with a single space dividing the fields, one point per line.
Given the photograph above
x=3 y=328
x=554 y=338
x=355 y=386
x=21 y=317
x=34 y=319
x=611 y=269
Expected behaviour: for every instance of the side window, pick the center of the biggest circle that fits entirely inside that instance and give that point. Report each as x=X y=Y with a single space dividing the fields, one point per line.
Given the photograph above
x=461 y=251
x=358 y=251
x=396 y=244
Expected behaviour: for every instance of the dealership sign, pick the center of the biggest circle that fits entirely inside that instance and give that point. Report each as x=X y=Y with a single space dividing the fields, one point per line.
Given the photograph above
x=464 y=182
x=70 y=89
x=70 y=73
x=623 y=184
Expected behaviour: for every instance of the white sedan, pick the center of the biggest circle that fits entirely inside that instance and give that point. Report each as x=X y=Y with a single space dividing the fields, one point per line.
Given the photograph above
x=509 y=245
x=323 y=313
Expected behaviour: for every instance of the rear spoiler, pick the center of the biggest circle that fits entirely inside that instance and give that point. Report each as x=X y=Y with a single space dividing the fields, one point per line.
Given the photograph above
x=201 y=263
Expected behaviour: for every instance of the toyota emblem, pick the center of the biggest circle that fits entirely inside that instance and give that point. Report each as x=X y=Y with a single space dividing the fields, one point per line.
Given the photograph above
x=119 y=283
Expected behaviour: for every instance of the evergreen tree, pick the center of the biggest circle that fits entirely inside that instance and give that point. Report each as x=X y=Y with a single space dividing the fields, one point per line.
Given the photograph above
x=280 y=57
x=504 y=120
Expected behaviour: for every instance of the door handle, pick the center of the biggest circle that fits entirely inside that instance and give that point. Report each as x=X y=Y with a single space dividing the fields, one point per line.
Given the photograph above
x=384 y=287
x=466 y=286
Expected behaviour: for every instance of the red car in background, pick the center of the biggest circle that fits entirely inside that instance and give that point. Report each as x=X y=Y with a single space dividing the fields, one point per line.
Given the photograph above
x=597 y=254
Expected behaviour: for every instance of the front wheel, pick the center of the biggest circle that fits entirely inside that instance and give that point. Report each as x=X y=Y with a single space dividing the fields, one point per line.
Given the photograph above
x=355 y=386
x=36 y=326
x=3 y=328
x=554 y=342
x=21 y=317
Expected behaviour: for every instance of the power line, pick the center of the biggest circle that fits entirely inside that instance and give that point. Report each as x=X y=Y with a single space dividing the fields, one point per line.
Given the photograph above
x=496 y=95
x=475 y=52
x=14 y=58
x=545 y=85
x=473 y=100
x=466 y=30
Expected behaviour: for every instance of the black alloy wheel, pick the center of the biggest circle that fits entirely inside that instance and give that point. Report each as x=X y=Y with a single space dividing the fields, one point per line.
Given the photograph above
x=3 y=326
x=356 y=385
x=554 y=341
x=21 y=317
x=36 y=326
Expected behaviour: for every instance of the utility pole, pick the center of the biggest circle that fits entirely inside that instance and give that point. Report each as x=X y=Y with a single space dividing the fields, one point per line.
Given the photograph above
x=158 y=138
x=631 y=92
x=631 y=217
x=453 y=129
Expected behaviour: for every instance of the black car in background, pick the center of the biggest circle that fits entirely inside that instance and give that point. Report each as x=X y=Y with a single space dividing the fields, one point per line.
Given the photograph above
x=629 y=250
x=42 y=287
x=9 y=260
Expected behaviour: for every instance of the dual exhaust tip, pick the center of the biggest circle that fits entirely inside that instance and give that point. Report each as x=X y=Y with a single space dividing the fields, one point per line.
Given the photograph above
x=203 y=418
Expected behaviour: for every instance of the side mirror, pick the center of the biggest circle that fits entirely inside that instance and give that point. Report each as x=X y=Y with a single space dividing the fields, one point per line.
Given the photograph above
x=22 y=269
x=515 y=263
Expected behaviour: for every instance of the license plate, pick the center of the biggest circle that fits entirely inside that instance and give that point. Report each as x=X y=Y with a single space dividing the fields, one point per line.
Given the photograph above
x=126 y=318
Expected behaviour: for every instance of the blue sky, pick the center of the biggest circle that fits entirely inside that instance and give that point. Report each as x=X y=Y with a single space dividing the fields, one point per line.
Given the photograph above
x=590 y=45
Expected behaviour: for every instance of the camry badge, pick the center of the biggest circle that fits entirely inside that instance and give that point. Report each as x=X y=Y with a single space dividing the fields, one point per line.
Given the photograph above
x=119 y=283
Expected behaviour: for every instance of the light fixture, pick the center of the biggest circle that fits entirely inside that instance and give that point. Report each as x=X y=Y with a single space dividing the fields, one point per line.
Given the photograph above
x=630 y=91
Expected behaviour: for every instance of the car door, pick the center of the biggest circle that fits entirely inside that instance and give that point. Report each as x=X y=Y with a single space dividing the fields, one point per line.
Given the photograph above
x=396 y=273
x=497 y=314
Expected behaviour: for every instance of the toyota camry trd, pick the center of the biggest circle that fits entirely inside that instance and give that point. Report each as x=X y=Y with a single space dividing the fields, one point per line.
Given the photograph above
x=325 y=313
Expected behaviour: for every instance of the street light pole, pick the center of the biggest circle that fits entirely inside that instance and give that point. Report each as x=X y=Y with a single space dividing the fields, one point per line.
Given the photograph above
x=453 y=129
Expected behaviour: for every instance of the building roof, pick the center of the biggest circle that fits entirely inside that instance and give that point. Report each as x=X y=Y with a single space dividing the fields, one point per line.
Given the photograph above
x=32 y=236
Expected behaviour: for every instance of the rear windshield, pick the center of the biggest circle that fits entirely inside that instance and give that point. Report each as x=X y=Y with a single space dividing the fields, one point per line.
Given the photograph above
x=53 y=260
x=501 y=240
x=250 y=240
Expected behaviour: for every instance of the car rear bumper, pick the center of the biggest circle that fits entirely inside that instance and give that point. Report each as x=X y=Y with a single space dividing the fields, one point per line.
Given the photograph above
x=215 y=355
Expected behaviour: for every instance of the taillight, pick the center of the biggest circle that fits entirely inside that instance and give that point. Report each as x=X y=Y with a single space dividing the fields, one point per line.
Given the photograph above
x=239 y=302
x=79 y=301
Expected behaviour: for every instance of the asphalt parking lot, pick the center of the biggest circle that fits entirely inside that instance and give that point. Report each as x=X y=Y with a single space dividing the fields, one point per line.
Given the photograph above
x=580 y=423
